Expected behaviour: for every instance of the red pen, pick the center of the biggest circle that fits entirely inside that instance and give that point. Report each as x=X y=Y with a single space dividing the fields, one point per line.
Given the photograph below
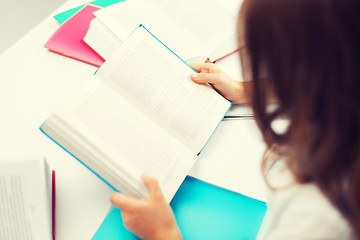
x=53 y=202
x=226 y=55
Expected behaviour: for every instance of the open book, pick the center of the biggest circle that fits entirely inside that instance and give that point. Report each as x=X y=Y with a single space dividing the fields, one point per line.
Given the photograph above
x=194 y=29
x=26 y=203
x=141 y=115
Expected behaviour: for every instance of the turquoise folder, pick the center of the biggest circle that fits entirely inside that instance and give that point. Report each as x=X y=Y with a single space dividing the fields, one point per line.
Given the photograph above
x=62 y=17
x=203 y=212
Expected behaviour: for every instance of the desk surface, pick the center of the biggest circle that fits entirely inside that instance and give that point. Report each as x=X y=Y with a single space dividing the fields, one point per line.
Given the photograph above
x=34 y=82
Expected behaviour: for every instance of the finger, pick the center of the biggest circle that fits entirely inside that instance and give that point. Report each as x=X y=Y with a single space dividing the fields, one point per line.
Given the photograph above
x=123 y=202
x=153 y=186
x=202 y=78
x=205 y=67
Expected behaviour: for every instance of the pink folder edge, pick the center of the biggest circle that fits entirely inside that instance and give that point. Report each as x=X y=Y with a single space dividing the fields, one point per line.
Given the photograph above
x=68 y=39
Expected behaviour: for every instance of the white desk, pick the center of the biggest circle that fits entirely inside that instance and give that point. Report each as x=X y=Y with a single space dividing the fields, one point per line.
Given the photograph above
x=34 y=82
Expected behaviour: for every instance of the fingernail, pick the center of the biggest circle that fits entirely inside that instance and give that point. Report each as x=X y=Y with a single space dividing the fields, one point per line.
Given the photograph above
x=194 y=75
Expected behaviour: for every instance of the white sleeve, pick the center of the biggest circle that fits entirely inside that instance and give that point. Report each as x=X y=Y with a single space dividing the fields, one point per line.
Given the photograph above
x=303 y=212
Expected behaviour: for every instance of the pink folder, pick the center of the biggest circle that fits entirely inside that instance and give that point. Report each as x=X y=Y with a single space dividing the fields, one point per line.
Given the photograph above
x=68 y=39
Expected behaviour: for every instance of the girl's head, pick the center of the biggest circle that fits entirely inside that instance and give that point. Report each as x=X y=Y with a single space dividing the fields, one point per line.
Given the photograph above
x=310 y=52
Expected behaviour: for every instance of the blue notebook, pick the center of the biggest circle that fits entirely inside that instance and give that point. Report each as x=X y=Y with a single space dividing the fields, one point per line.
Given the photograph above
x=203 y=212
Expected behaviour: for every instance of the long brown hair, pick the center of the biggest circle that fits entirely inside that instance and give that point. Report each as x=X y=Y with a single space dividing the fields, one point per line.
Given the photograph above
x=310 y=50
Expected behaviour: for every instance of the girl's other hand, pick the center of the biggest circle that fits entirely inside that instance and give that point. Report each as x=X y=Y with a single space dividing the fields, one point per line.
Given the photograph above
x=149 y=218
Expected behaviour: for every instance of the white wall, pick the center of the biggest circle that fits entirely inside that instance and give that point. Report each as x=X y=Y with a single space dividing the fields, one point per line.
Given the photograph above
x=17 y=17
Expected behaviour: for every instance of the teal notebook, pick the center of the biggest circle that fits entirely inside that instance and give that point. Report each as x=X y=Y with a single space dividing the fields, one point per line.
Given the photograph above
x=203 y=212
x=62 y=17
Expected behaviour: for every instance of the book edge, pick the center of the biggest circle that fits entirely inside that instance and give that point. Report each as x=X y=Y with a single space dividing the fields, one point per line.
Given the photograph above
x=57 y=143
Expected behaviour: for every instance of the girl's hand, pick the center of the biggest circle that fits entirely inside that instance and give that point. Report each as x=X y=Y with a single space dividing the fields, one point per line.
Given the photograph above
x=150 y=218
x=233 y=90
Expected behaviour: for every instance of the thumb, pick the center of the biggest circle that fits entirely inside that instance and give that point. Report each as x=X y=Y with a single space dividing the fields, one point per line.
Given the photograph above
x=123 y=202
x=153 y=186
x=203 y=78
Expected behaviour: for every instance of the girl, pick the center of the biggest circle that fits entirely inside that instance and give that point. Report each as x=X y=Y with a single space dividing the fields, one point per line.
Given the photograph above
x=309 y=51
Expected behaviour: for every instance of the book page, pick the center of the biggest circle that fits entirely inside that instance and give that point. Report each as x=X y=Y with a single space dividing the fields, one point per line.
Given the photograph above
x=25 y=206
x=133 y=144
x=101 y=39
x=124 y=17
x=158 y=83
x=211 y=22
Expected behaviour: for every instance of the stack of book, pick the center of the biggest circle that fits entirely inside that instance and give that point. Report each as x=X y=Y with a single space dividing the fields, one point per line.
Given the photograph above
x=194 y=30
